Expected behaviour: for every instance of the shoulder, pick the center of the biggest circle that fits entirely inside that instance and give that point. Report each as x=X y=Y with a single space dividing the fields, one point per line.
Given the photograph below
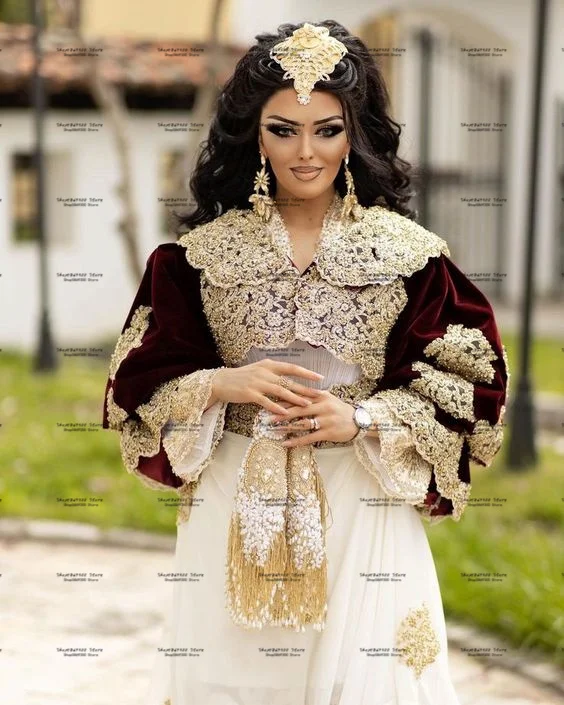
x=380 y=247
x=406 y=240
x=233 y=248
x=203 y=240
x=167 y=266
x=404 y=230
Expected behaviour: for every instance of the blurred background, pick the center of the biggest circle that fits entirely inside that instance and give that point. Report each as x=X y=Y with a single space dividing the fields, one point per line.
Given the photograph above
x=103 y=106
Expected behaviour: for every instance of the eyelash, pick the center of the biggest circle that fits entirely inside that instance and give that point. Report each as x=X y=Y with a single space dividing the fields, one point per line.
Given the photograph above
x=276 y=130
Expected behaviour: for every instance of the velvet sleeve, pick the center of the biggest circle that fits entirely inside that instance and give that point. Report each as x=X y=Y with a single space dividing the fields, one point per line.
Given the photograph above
x=441 y=401
x=160 y=375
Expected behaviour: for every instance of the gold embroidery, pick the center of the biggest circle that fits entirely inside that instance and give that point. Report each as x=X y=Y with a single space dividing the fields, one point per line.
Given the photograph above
x=180 y=437
x=128 y=430
x=379 y=248
x=506 y=363
x=465 y=351
x=236 y=248
x=404 y=473
x=437 y=444
x=485 y=440
x=353 y=324
x=354 y=391
x=130 y=338
x=116 y=415
x=417 y=639
x=184 y=396
x=233 y=249
x=447 y=389
x=348 y=302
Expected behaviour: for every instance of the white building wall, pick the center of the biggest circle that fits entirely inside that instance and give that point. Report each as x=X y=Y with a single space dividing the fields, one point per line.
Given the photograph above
x=83 y=239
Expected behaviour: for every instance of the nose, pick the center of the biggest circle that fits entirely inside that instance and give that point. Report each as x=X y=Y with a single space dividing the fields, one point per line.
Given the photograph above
x=305 y=147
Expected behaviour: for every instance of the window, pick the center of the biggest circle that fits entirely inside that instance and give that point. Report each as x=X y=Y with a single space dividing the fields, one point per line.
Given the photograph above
x=59 y=219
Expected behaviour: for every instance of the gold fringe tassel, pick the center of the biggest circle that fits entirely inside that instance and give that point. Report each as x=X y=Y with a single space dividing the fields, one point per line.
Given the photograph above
x=290 y=588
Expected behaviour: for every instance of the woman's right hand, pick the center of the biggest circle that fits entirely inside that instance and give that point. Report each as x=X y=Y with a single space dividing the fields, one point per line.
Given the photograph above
x=253 y=382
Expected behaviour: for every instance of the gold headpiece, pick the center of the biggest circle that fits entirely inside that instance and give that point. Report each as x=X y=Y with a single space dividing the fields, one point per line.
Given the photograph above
x=309 y=55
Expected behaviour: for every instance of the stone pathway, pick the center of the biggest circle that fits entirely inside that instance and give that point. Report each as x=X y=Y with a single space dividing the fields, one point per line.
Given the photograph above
x=120 y=612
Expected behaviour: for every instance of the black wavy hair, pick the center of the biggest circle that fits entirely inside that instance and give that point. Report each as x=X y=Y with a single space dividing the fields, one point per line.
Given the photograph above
x=225 y=169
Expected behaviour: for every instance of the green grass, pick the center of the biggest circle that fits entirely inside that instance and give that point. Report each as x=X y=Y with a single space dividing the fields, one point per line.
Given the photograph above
x=41 y=462
x=522 y=539
x=547 y=358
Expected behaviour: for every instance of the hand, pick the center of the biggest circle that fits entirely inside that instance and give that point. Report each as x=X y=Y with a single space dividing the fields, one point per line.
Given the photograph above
x=253 y=382
x=334 y=415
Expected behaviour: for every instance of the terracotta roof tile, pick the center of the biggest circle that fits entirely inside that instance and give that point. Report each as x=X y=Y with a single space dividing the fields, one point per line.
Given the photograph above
x=139 y=63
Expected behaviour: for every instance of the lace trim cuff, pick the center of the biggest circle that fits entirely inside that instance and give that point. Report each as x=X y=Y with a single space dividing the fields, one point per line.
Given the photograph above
x=400 y=469
x=485 y=440
x=440 y=447
x=181 y=401
x=196 y=452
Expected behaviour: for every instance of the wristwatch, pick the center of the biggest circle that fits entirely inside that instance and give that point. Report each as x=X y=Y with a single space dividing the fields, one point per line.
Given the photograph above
x=362 y=419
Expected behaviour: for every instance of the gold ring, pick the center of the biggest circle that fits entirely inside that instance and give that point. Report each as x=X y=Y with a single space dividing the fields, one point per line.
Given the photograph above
x=284 y=382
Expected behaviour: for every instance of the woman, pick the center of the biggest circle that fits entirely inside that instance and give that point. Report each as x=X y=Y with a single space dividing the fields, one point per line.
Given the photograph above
x=315 y=355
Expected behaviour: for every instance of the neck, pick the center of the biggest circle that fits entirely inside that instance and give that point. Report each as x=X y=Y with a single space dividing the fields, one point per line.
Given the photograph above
x=304 y=212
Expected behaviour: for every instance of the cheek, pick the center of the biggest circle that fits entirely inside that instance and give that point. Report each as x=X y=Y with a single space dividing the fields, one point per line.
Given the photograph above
x=333 y=149
x=278 y=149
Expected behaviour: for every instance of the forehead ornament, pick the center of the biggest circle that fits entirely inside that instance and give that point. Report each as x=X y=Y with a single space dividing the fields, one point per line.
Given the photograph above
x=308 y=56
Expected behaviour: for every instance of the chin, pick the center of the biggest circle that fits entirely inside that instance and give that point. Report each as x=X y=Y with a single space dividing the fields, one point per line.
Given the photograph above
x=307 y=191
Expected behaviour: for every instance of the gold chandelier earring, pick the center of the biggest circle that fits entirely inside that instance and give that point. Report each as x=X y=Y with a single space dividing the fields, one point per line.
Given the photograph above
x=351 y=206
x=262 y=202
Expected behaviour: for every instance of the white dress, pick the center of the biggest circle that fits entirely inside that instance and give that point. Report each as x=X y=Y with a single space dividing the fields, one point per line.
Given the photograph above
x=381 y=579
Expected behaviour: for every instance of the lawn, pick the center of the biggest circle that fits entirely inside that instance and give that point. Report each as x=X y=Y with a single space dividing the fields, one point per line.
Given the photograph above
x=547 y=358
x=46 y=460
x=520 y=539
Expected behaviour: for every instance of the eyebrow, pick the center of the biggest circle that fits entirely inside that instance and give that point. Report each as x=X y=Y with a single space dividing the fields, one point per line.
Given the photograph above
x=300 y=124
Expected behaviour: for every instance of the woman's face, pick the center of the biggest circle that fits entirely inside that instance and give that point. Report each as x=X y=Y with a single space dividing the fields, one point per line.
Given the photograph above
x=290 y=137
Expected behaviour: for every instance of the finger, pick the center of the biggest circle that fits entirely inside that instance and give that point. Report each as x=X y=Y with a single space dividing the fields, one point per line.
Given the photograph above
x=295 y=411
x=305 y=440
x=272 y=406
x=286 y=394
x=290 y=368
x=301 y=389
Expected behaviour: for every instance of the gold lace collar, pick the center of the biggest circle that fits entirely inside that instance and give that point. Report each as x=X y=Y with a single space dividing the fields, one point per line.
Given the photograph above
x=237 y=248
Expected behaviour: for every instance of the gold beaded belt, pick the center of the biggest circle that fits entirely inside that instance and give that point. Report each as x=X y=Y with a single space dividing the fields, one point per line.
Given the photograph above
x=239 y=419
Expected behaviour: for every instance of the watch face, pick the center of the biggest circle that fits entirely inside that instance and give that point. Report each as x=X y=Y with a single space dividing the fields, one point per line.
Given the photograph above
x=362 y=417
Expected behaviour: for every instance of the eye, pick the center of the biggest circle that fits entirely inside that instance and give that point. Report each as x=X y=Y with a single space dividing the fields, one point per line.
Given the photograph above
x=279 y=130
x=283 y=131
x=331 y=131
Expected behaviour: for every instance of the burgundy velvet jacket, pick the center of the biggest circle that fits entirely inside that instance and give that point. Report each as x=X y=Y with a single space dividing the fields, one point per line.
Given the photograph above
x=382 y=293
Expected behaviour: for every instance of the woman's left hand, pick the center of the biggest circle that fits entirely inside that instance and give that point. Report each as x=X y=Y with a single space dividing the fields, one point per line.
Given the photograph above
x=335 y=418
